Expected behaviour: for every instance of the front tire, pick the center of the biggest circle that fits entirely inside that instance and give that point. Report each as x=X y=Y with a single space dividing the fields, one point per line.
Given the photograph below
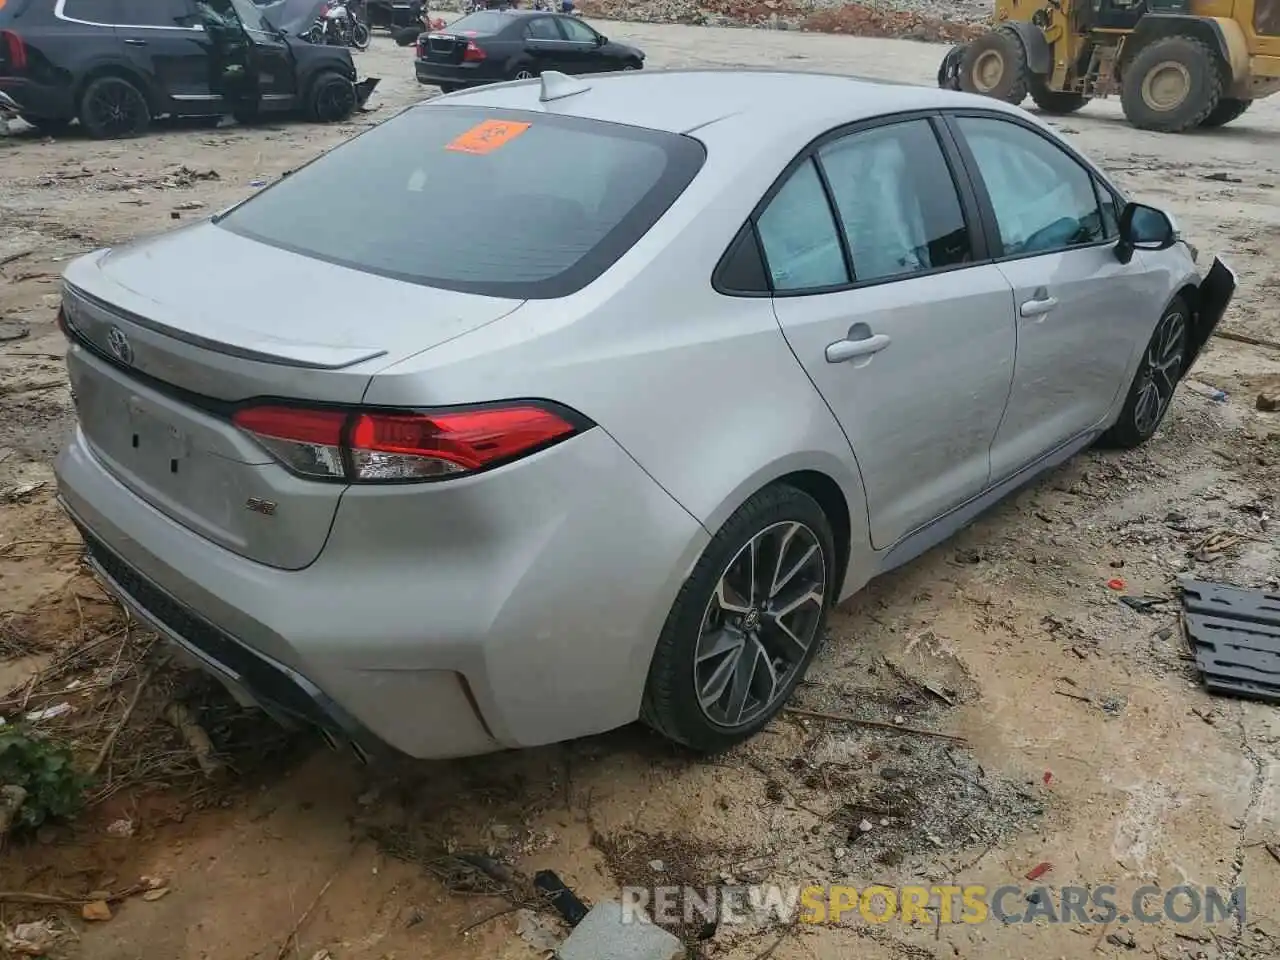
x=1226 y=111
x=995 y=65
x=332 y=98
x=745 y=625
x=360 y=35
x=1153 y=385
x=1171 y=85
x=113 y=108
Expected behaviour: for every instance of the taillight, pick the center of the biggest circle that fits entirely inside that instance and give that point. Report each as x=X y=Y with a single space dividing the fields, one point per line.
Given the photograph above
x=16 y=49
x=372 y=446
x=473 y=53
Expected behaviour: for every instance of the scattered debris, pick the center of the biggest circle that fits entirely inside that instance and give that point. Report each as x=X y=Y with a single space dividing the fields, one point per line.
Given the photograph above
x=1222 y=177
x=537 y=930
x=199 y=742
x=899 y=723
x=33 y=939
x=607 y=932
x=1268 y=401
x=1143 y=604
x=12 y=797
x=1205 y=390
x=1235 y=636
x=11 y=330
x=20 y=492
x=560 y=896
x=1039 y=870
x=121 y=829
x=49 y=713
x=96 y=911
x=1115 y=583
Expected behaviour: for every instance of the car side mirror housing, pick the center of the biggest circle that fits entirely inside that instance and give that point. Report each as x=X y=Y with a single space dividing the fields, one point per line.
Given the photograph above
x=601 y=39
x=1144 y=228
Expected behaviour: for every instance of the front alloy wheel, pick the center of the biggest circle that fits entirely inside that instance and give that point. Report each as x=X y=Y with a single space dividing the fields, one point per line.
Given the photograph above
x=746 y=624
x=1153 y=385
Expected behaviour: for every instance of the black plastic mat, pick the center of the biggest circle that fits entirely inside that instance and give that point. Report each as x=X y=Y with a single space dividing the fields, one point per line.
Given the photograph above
x=1235 y=635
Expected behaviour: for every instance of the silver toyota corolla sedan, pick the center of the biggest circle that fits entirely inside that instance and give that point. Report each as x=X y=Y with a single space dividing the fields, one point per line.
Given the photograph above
x=539 y=409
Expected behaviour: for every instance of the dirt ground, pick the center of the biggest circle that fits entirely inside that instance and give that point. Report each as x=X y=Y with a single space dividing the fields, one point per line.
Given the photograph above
x=1087 y=742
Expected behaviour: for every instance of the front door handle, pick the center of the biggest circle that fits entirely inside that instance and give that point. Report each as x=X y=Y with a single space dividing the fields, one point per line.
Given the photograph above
x=135 y=43
x=843 y=350
x=1038 y=308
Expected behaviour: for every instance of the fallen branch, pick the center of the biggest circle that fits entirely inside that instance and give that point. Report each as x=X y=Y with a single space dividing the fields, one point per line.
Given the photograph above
x=1245 y=338
x=302 y=918
x=53 y=899
x=4 y=261
x=108 y=743
x=31 y=387
x=877 y=724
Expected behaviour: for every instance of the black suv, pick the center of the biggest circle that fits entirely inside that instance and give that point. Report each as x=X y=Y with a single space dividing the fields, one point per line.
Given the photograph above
x=115 y=64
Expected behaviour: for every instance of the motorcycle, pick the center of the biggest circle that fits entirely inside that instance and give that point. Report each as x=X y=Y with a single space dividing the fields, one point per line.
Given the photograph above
x=341 y=25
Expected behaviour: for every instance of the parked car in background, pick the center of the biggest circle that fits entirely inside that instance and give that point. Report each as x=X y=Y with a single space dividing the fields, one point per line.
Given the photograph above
x=114 y=66
x=393 y=15
x=496 y=45
x=522 y=458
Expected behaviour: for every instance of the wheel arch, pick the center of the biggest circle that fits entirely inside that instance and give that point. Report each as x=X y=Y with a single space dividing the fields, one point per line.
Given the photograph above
x=1039 y=56
x=1223 y=36
x=124 y=71
x=838 y=491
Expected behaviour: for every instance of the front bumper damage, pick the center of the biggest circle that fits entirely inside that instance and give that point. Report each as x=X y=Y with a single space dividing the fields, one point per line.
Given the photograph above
x=1215 y=294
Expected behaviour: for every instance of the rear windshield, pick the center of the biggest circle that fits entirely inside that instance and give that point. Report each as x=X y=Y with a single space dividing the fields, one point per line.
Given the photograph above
x=486 y=23
x=500 y=203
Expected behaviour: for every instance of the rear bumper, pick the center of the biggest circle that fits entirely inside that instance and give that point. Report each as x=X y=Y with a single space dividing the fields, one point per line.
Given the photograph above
x=459 y=74
x=511 y=609
x=40 y=101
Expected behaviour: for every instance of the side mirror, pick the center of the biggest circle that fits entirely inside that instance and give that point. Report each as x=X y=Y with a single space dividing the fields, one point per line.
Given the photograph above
x=1144 y=228
x=601 y=39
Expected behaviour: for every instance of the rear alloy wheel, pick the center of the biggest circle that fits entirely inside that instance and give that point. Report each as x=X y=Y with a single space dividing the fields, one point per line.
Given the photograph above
x=332 y=98
x=1153 y=385
x=1226 y=111
x=524 y=73
x=746 y=624
x=995 y=65
x=1171 y=85
x=112 y=108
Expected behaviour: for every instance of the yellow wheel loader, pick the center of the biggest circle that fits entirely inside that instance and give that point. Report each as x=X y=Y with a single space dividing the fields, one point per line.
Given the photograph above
x=1176 y=64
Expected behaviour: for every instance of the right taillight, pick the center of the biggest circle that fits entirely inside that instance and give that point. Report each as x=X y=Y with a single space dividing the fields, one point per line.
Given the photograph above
x=473 y=52
x=395 y=446
x=16 y=49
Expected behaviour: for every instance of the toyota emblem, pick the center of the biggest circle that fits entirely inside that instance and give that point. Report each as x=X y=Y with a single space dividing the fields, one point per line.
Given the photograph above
x=121 y=349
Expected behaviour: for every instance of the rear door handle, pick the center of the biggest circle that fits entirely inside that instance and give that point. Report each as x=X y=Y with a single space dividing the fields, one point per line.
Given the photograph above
x=1038 y=308
x=135 y=43
x=843 y=350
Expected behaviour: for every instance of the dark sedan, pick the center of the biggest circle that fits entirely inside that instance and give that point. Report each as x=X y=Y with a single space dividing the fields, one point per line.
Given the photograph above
x=492 y=46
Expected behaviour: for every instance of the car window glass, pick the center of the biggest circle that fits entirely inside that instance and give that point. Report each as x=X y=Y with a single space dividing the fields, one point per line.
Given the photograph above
x=896 y=200
x=799 y=235
x=1043 y=199
x=456 y=207
x=1110 y=207
x=92 y=11
x=577 y=31
x=156 y=13
x=542 y=28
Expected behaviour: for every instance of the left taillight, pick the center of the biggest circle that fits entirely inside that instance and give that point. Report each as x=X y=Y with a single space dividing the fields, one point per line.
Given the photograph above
x=396 y=446
x=473 y=53
x=16 y=49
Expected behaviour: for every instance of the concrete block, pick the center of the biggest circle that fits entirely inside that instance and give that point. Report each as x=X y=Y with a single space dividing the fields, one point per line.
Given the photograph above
x=603 y=936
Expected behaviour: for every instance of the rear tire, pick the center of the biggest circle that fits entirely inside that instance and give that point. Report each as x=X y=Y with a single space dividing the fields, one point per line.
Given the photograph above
x=448 y=87
x=113 y=108
x=1226 y=111
x=1153 y=385
x=1054 y=102
x=523 y=73
x=726 y=662
x=1171 y=85
x=360 y=35
x=995 y=65
x=332 y=98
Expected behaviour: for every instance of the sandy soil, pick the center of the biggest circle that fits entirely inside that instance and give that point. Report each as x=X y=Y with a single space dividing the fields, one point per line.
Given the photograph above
x=1087 y=741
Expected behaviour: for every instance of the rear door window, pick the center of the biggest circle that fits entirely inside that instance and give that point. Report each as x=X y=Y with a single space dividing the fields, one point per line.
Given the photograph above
x=157 y=13
x=104 y=12
x=576 y=31
x=542 y=28
x=443 y=196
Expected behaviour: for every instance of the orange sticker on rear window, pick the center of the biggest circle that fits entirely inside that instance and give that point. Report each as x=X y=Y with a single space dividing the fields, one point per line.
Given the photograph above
x=487 y=136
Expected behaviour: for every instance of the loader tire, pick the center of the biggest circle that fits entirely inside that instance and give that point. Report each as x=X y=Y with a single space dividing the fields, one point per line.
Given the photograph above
x=1226 y=111
x=1171 y=85
x=995 y=65
x=1055 y=102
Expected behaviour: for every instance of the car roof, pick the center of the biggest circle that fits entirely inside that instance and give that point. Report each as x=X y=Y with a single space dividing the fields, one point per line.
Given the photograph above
x=753 y=102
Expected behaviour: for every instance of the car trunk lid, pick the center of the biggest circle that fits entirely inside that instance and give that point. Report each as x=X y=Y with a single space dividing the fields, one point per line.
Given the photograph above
x=444 y=47
x=170 y=337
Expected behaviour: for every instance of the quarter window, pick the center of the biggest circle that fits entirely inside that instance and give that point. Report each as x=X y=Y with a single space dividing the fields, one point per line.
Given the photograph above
x=896 y=200
x=799 y=235
x=1043 y=199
